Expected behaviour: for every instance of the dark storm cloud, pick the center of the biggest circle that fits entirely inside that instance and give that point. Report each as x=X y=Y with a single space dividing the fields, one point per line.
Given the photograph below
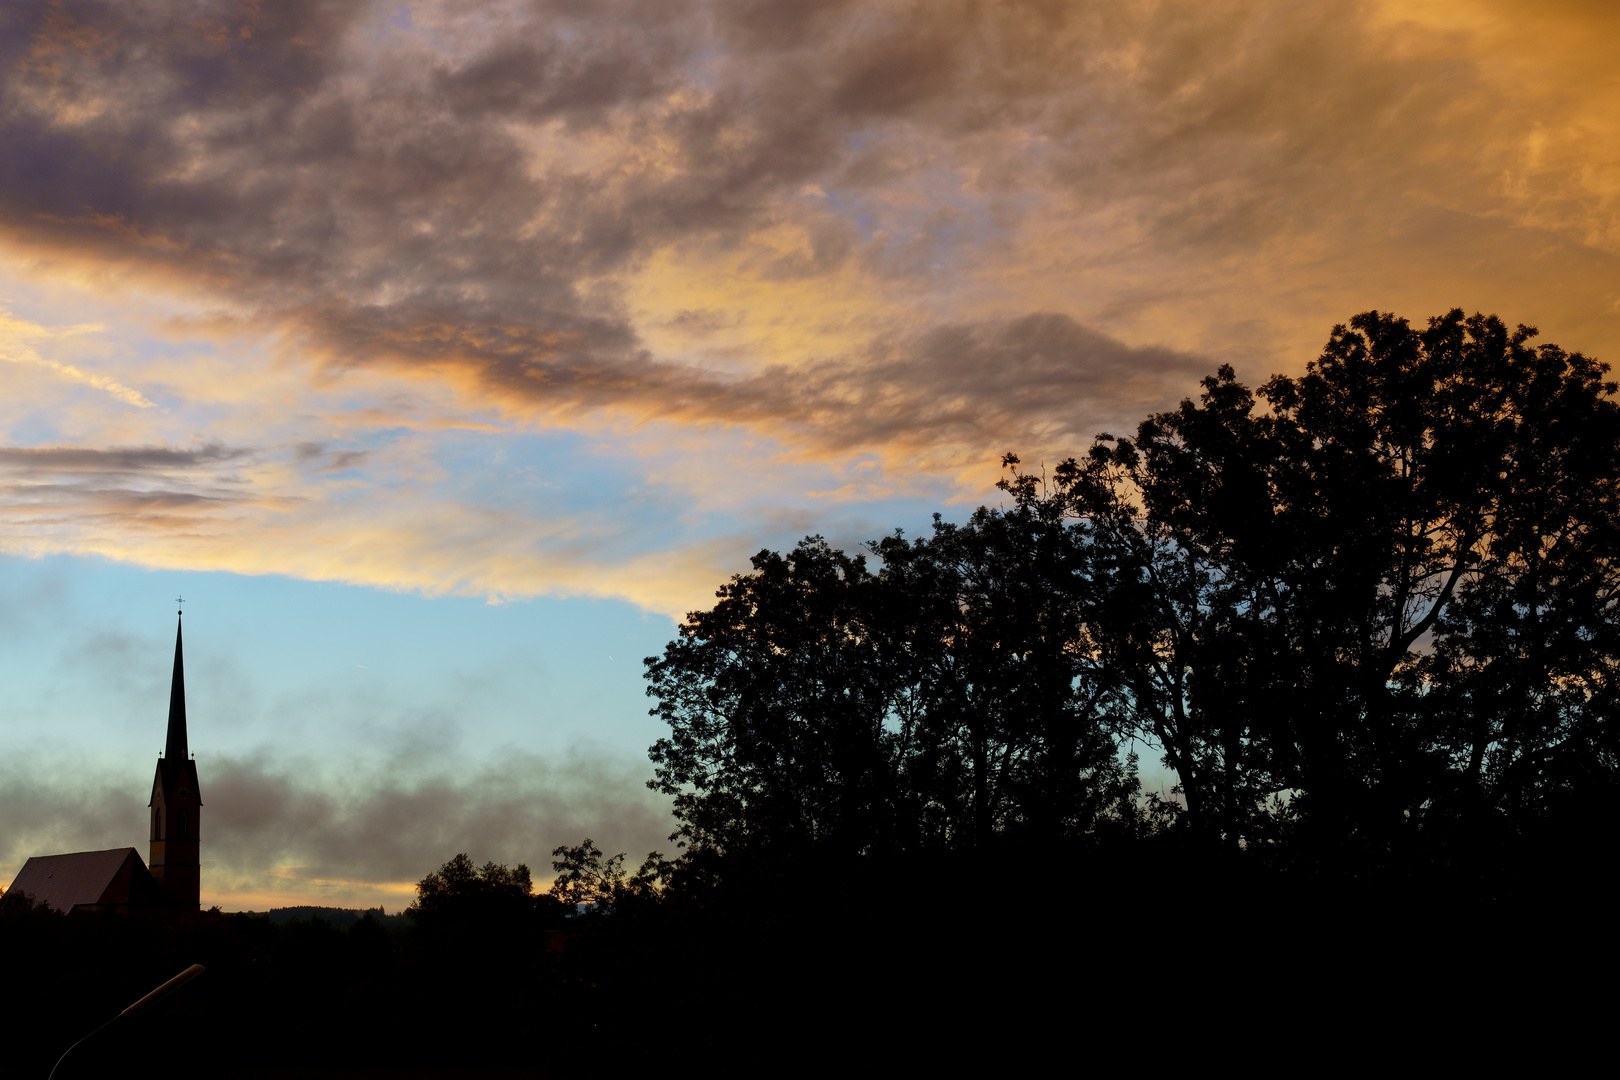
x=967 y=384
x=377 y=196
x=42 y=817
x=357 y=825
x=971 y=384
x=383 y=828
x=465 y=195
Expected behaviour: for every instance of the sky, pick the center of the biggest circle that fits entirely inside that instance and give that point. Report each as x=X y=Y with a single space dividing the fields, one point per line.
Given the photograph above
x=443 y=355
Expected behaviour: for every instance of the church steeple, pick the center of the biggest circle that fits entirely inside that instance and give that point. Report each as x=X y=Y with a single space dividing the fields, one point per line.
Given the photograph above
x=177 y=803
x=174 y=748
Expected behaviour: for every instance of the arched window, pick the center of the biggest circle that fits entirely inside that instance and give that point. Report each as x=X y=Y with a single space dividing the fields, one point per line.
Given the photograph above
x=182 y=834
x=157 y=823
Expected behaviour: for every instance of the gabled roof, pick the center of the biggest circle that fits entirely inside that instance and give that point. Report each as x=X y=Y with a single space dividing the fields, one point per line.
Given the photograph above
x=84 y=877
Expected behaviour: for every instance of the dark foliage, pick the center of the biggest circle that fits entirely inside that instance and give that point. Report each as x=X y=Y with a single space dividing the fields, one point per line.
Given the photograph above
x=1378 y=617
x=950 y=699
x=339 y=917
x=473 y=971
x=1367 y=616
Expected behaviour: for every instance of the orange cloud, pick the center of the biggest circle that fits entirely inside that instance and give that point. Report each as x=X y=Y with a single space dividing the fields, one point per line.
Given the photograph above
x=913 y=235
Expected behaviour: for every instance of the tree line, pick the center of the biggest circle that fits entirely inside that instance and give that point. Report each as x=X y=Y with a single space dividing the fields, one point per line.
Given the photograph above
x=1366 y=617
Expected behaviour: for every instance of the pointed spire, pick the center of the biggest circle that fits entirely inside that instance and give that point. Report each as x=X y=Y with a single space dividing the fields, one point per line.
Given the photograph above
x=174 y=748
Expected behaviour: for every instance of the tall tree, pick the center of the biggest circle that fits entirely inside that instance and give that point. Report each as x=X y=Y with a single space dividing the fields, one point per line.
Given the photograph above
x=952 y=699
x=1018 y=700
x=783 y=708
x=1327 y=581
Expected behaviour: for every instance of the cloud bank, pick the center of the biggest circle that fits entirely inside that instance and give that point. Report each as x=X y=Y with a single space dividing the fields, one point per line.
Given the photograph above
x=278 y=831
x=844 y=236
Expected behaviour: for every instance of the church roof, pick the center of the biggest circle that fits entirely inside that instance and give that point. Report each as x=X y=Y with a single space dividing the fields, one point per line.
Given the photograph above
x=175 y=768
x=174 y=747
x=83 y=877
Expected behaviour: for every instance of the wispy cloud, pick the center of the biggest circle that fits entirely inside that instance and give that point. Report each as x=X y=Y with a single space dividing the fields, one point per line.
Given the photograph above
x=116 y=461
x=285 y=510
x=17 y=335
x=112 y=386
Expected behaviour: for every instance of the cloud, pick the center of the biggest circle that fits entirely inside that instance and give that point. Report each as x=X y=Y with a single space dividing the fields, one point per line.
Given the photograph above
x=116 y=461
x=1042 y=381
x=52 y=491
x=319 y=457
x=16 y=347
x=915 y=234
x=757 y=269
x=468 y=196
x=101 y=382
x=284 y=831
x=285 y=511
x=384 y=826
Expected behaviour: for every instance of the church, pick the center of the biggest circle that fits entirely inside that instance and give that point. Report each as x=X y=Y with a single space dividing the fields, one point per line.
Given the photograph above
x=117 y=879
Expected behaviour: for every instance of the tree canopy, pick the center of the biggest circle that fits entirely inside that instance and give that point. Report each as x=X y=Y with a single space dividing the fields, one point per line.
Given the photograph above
x=1366 y=616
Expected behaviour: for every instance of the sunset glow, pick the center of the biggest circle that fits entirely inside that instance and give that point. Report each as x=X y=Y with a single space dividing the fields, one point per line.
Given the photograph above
x=526 y=323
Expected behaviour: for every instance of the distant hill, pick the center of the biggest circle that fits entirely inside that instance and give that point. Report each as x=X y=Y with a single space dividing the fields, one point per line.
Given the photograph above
x=339 y=917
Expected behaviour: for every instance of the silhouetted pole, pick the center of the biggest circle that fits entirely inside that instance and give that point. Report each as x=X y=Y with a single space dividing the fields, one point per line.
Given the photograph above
x=134 y=1010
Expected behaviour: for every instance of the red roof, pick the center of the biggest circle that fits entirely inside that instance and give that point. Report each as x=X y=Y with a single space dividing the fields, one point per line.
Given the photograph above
x=83 y=877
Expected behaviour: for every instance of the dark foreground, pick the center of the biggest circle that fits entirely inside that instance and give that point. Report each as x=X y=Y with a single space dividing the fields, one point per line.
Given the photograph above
x=1132 y=966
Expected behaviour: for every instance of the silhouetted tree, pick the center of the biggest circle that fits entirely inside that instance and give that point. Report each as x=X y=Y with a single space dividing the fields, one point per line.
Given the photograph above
x=786 y=711
x=588 y=884
x=1369 y=612
x=460 y=891
x=1383 y=601
x=951 y=699
x=1015 y=700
